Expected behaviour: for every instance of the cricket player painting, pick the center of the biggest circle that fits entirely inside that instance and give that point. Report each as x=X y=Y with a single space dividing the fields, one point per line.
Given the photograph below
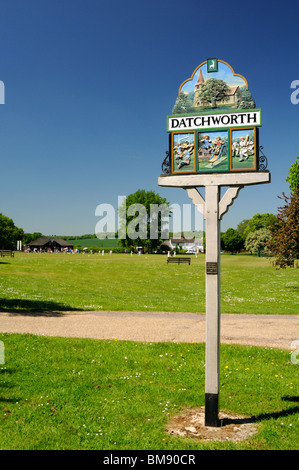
x=243 y=149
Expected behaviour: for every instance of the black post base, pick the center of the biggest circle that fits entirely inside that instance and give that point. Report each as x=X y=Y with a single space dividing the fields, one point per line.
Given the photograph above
x=211 y=410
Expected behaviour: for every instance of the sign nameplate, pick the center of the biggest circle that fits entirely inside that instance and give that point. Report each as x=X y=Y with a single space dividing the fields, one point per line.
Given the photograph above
x=213 y=121
x=211 y=268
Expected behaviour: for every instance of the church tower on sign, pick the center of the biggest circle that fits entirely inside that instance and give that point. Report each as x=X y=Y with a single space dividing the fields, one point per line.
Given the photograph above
x=198 y=88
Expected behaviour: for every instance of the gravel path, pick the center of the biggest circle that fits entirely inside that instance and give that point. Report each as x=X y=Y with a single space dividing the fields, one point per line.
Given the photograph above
x=277 y=331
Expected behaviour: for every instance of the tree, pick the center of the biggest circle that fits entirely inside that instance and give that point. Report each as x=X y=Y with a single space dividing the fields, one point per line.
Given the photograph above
x=247 y=101
x=293 y=176
x=182 y=103
x=214 y=90
x=256 y=241
x=232 y=240
x=243 y=225
x=143 y=220
x=284 y=243
x=259 y=221
x=29 y=237
x=9 y=233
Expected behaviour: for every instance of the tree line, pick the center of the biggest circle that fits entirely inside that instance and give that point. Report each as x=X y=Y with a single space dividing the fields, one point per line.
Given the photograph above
x=251 y=234
x=10 y=234
x=277 y=234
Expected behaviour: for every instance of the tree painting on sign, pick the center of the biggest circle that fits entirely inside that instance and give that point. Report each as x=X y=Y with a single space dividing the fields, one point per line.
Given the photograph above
x=213 y=151
x=183 y=152
x=243 y=149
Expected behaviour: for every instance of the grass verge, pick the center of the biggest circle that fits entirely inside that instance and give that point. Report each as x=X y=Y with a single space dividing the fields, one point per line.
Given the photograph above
x=58 y=393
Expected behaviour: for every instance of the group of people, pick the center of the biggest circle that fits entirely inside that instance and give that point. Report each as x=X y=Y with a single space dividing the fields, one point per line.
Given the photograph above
x=49 y=250
x=243 y=148
x=73 y=251
x=210 y=147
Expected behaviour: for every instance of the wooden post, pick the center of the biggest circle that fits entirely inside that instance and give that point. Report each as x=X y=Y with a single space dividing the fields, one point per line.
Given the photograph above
x=212 y=305
x=213 y=209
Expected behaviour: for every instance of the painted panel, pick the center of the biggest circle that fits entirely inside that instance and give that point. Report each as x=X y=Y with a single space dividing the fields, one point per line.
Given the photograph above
x=183 y=152
x=207 y=90
x=243 y=149
x=213 y=151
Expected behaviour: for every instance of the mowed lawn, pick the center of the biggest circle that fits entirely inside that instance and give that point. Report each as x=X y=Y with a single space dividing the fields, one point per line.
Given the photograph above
x=61 y=282
x=75 y=393
x=84 y=394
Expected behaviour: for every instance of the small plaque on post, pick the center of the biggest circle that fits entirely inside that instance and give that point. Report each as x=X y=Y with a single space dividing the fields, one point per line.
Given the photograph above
x=211 y=268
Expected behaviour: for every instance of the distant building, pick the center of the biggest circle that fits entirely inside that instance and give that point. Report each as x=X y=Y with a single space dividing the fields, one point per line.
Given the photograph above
x=188 y=244
x=49 y=243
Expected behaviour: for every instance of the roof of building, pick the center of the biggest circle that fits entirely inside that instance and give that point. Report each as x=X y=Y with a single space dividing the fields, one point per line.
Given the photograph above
x=233 y=90
x=182 y=240
x=185 y=240
x=200 y=80
x=42 y=241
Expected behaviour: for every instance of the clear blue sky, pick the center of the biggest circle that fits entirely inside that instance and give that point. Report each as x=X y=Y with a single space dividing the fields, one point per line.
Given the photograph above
x=88 y=86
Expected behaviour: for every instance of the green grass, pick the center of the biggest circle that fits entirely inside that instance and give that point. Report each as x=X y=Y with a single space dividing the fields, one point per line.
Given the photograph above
x=100 y=243
x=58 y=393
x=46 y=282
x=249 y=163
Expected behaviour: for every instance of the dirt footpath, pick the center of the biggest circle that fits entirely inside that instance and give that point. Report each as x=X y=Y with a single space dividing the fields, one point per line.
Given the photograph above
x=277 y=331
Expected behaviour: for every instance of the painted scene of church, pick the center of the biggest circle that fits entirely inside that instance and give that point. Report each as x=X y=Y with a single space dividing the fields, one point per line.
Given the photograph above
x=213 y=151
x=222 y=90
x=183 y=159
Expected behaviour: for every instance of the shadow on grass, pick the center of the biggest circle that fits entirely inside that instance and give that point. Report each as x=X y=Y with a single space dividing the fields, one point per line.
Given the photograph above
x=294 y=398
x=262 y=417
x=294 y=288
x=5 y=386
x=34 y=307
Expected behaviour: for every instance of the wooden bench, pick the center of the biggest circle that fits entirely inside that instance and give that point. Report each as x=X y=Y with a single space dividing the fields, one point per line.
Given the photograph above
x=177 y=259
x=6 y=253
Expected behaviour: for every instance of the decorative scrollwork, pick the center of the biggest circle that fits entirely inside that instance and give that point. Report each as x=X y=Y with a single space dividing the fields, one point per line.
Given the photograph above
x=262 y=161
x=166 y=164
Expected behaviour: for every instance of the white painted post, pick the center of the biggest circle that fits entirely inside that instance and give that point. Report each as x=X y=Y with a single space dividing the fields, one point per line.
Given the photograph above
x=213 y=209
x=212 y=305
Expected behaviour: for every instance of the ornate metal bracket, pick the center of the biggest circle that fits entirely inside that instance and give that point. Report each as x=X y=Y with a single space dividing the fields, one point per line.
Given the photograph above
x=262 y=161
x=166 y=164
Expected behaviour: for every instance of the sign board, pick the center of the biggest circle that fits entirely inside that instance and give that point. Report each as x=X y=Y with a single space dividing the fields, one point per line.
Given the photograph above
x=213 y=140
x=214 y=124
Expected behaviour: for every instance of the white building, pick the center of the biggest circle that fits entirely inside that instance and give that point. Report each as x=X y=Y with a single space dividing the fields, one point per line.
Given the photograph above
x=188 y=244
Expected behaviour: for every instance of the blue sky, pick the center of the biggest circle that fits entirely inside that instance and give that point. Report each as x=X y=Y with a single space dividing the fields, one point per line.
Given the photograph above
x=88 y=86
